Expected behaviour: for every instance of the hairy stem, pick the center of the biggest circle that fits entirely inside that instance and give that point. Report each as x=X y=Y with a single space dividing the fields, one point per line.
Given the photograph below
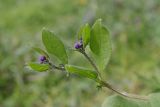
x=107 y=85
x=125 y=94
x=100 y=81
x=92 y=63
x=56 y=67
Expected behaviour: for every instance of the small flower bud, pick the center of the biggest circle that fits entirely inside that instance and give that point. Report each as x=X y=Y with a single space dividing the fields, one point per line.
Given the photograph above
x=42 y=59
x=78 y=45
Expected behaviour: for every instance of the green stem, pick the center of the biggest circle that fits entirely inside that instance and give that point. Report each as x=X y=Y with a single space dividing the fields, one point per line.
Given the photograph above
x=56 y=67
x=107 y=85
x=92 y=63
x=101 y=82
x=125 y=94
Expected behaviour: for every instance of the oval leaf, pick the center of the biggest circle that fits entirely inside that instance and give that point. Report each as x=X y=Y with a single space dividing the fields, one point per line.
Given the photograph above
x=84 y=33
x=80 y=32
x=54 y=46
x=81 y=71
x=38 y=67
x=100 y=44
x=40 y=51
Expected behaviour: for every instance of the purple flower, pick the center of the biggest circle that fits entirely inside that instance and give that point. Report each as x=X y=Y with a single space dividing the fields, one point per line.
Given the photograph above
x=42 y=59
x=78 y=45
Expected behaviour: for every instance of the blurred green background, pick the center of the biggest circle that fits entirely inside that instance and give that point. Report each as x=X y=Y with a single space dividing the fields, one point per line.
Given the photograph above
x=134 y=66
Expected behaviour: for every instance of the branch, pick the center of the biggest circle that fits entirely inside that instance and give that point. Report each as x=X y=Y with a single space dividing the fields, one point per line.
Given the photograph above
x=101 y=82
x=56 y=67
x=125 y=94
x=91 y=62
x=107 y=85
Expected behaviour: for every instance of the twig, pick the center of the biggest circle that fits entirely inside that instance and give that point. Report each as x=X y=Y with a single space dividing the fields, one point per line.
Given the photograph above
x=125 y=94
x=56 y=67
x=101 y=82
x=92 y=63
x=105 y=84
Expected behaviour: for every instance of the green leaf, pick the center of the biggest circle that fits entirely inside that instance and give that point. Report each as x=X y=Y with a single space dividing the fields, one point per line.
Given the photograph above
x=81 y=71
x=40 y=51
x=54 y=46
x=100 y=44
x=84 y=33
x=118 y=101
x=80 y=32
x=39 y=67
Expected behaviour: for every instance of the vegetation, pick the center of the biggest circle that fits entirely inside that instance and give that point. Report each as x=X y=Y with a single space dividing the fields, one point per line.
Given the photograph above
x=133 y=67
